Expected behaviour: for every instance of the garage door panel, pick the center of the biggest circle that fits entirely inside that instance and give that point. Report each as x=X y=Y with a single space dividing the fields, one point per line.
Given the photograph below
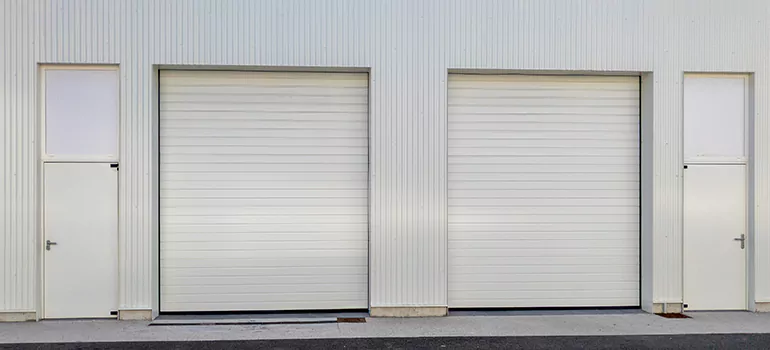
x=273 y=167
x=249 y=97
x=257 y=246
x=527 y=260
x=554 y=136
x=210 y=229
x=459 y=228
x=527 y=83
x=540 y=168
x=517 y=272
x=231 y=285
x=268 y=274
x=190 y=261
x=181 y=131
x=539 y=193
x=285 y=256
x=257 y=107
x=565 y=91
x=263 y=202
x=544 y=210
x=263 y=176
x=225 y=141
x=203 y=302
x=545 y=118
x=225 y=124
x=269 y=219
x=547 y=102
x=543 y=176
x=172 y=235
x=553 y=151
x=266 y=193
x=543 y=191
x=519 y=127
x=544 y=185
x=320 y=150
x=264 y=79
x=545 y=108
x=213 y=159
x=262 y=185
x=263 y=191
x=475 y=233
x=564 y=245
x=271 y=210
x=180 y=90
x=561 y=298
x=544 y=282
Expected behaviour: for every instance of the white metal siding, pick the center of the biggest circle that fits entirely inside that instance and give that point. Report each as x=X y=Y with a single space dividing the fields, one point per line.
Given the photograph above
x=408 y=46
x=543 y=191
x=263 y=191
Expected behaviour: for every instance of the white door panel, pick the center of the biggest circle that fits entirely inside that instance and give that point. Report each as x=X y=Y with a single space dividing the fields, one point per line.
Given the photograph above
x=263 y=191
x=543 y=191
x=714 y=216
x=80 y=218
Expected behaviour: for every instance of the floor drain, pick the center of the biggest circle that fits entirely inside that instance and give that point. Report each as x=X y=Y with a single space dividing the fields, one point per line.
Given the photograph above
x=673 y=315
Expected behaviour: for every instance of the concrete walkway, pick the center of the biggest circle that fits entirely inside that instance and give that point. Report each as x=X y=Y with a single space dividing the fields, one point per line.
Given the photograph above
x=551 y=324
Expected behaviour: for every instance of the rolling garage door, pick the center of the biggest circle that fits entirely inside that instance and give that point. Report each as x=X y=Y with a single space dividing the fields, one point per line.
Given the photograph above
x=263 y=191
x=543 y=191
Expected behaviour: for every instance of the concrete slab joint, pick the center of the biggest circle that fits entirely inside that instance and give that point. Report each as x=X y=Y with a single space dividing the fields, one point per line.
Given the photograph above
x=135 y=315
x=408 y=311
x=17 y=316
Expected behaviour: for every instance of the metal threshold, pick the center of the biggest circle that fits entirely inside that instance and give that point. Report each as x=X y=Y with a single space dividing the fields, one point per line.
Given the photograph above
x=257 y=319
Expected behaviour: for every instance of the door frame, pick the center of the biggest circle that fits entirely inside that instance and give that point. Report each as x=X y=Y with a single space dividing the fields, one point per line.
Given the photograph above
x=749 y=184
x=43 y=158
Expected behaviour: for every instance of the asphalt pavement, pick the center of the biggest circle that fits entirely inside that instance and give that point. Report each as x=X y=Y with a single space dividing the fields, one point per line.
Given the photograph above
x=688 y=341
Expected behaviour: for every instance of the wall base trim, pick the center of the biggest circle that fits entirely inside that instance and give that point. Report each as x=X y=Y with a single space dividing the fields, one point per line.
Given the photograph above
x=667 y=308
x=408 y=311
x=17 y=316
x=762 y=306
x=135 y=315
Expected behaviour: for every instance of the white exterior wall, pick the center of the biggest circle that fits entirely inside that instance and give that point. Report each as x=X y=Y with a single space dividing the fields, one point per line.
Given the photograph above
x=408 y=47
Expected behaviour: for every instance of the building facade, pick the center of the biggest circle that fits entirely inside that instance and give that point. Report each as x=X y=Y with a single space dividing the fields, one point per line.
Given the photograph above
x=403 y=157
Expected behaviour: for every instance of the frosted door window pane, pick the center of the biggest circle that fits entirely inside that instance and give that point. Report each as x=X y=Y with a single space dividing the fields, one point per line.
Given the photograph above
x=81 y=112
x=714 y=117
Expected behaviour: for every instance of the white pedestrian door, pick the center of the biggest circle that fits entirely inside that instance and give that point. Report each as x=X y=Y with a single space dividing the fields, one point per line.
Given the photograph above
x=81 y=231
x=715 y=192
x=80 y=191
x=714 y=237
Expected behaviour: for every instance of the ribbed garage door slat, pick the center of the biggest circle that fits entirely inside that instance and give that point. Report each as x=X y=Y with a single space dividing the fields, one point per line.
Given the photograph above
x=263 y=191
x=543 y=191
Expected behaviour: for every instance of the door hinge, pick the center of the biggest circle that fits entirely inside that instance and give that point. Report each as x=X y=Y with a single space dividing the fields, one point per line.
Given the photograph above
x=115 y=165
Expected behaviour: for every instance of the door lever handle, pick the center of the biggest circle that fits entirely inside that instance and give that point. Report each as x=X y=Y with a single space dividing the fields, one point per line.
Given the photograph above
x=48 y=244
x=742 y=238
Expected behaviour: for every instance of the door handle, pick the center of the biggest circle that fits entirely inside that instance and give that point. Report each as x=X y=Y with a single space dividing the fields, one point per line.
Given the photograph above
x=742 y=238
x=48 y=244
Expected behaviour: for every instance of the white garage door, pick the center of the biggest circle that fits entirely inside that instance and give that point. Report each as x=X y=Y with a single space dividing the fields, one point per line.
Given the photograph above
x=263 y=191
x=543 y=191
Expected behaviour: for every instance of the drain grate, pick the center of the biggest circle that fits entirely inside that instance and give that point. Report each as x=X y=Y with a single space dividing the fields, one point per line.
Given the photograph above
x=673 y=315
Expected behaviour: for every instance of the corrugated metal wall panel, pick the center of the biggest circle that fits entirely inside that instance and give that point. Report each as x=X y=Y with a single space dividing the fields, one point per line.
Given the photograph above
x=19 y=219
x=408 y=46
